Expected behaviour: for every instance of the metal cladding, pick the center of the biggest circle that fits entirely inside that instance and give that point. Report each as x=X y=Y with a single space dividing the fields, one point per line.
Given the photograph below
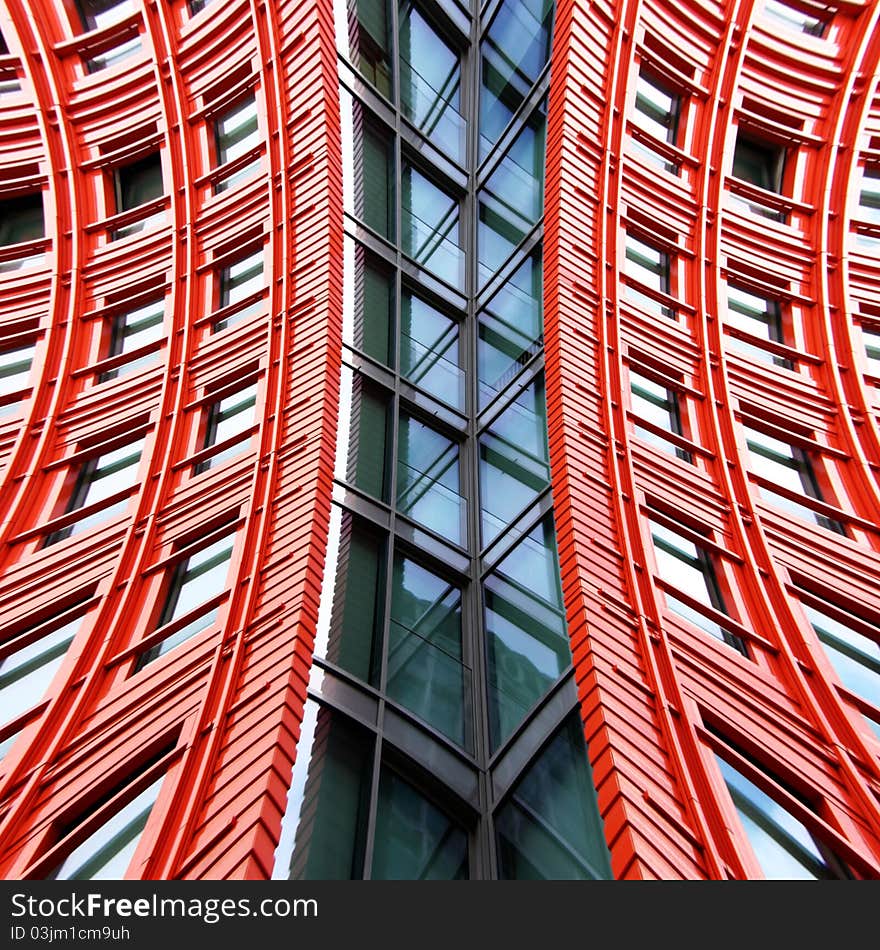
x=666 y=680
x=231 y=702
x=650 y=683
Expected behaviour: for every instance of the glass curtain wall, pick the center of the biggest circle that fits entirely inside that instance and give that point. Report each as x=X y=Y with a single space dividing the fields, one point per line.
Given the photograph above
x=441 y=736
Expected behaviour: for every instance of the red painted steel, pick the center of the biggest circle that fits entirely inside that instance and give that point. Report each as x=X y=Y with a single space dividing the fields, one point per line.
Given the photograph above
x=231 y=700
x=650 y=682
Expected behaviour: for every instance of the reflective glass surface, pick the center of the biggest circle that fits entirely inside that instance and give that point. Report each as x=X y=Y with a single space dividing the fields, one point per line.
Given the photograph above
x=526 y=634
x=415 y=840
x=425 y=671
x=514 y=460
x=549 y=828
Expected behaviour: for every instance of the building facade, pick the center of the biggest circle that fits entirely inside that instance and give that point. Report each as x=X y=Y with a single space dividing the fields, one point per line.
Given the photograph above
x=439 y=441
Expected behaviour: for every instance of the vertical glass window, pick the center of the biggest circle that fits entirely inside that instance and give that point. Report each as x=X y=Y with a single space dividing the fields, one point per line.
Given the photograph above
x=328 y=813
x=656 y=403
x=510 y=329
x=790 y=467
x=869 y=197
x=357 y=618
x=369 y=431
x=868 y=212
x=526 y=632
x=761 y=164
x=329 y=799
x=688 y=567
x=374 y=305
x=550 y=828
x=425 y=671
x=430 y=84
x=514 y=461
x=195 y=582
x=107 y=852
x=15 y=371
x=430 y=351
x=99 y=479
x=99 y=14
x=137 y=184
x=757 y=162
x=784 y=15
x=374 y=174
x=369 y=24
x=430 y=224
x=131 y=331
x=854 y=656
x=227 y=418
x=415 y=840
x=871 y=340
x=236 y=133
x=656 y=112
x=515 y=49
x=8 y=77
x=648 y=267
x=21 y=219
x=428 y=479
x=512 y=200
x=784 y=848
x=26 y=672
x=239 y=281
x=759 y=317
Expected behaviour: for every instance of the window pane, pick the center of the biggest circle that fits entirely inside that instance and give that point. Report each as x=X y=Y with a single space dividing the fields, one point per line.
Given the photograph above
x=415 y=841
x=514 y=461
x=430 y=222
x=781 y=13
x=329 y=798
x=106 y=853
x=21 y=219
x=101 y=478
x=429 y=350
x=430 y=85
x=428 y=486
x=133 y=330
x=238 y=281
x=374 y=180
x=373 y=306
x=15 y=369
x=367 y=442
x=656 y=112
x=510 y=329
x=783 y=846
x=139 y=182
x=237 y=131
x=232 y=416
x=854 y=656
x=198 y=579
x=757 y=316
x=688 y=567
x=550 y=827
x=97 y=14
x=355 y=637
x=26 y=673
x=370 y=41
x=512 y=200
x=425 y=671
x=658 y=404
x=515 y=50
x=527 y=636
x=649 y=267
